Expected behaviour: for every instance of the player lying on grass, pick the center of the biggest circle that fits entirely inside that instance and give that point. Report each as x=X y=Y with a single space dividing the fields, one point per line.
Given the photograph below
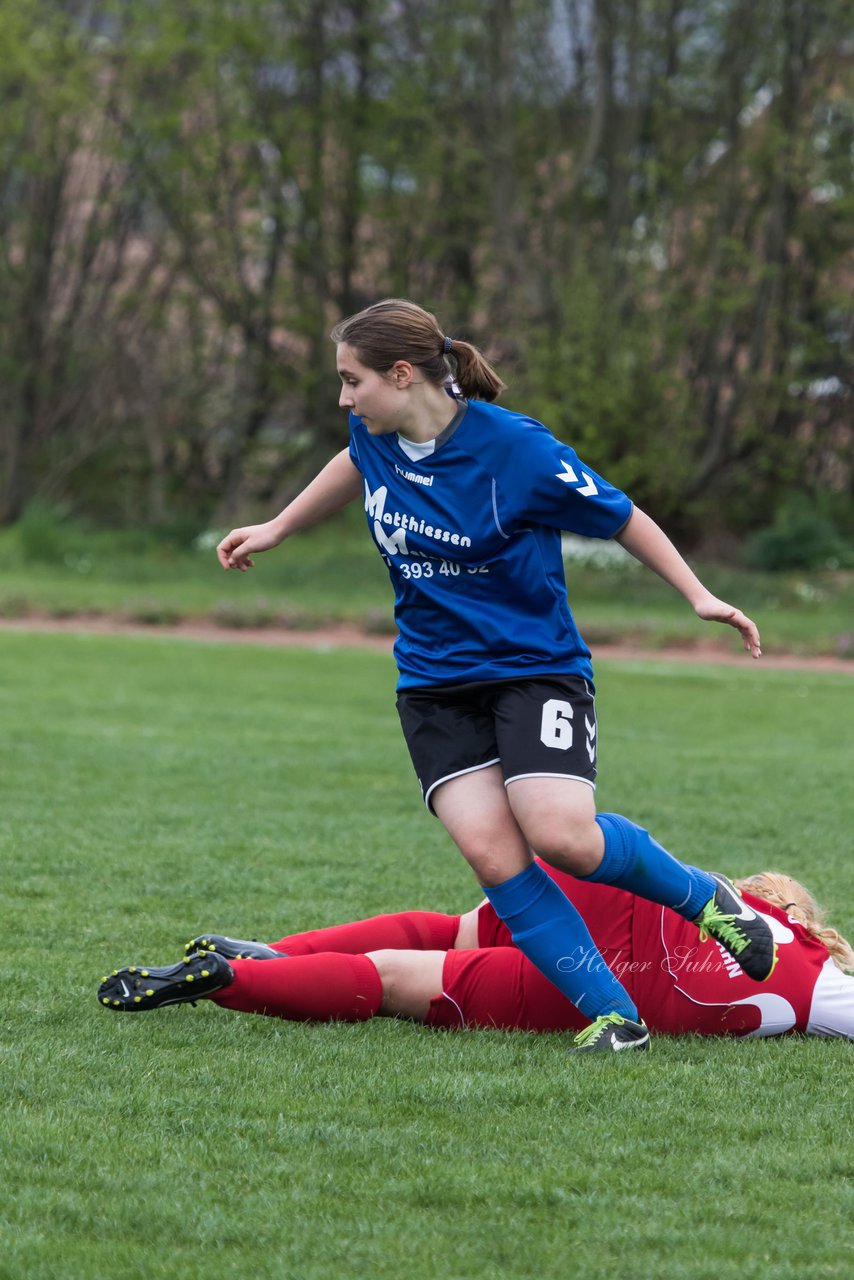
x=464 y=971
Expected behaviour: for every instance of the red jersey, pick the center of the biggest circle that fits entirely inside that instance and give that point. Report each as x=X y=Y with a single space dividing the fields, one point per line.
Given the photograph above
x=693 y=986
x=678 y=983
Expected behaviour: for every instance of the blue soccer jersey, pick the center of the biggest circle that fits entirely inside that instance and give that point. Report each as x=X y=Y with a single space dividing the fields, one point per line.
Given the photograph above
x=469 y=527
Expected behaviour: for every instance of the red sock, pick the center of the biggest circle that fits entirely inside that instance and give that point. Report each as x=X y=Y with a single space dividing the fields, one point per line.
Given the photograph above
x=406 y=931
x=318 y=988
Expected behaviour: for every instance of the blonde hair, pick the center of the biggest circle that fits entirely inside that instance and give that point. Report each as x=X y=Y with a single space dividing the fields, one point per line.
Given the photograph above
x=791 y=896
x=396 y=329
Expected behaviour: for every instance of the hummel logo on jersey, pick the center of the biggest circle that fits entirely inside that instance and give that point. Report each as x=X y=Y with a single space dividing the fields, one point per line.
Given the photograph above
x=568 y=476
x=414 y=477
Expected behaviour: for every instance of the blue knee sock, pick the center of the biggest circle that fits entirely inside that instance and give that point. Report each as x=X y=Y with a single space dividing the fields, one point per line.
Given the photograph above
x=548 y=930
x=634 y=861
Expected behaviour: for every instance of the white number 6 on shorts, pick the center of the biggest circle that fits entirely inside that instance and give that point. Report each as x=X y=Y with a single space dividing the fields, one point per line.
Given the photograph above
x=556 y=727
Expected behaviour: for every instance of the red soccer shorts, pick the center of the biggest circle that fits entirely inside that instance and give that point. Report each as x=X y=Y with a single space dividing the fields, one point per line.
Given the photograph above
x=499 y=988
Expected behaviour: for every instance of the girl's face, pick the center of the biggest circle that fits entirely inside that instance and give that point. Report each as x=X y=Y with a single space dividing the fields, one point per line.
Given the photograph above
x=374 y=397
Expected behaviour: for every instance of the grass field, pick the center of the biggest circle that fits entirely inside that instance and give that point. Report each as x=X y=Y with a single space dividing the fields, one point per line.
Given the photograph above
x=153 y=788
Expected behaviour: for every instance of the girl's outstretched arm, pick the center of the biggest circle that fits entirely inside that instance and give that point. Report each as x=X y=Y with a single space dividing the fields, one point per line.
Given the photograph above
x=337 y=484
x=643 y=538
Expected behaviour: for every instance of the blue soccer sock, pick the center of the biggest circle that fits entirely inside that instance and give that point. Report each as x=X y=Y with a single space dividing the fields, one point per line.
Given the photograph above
x=548 y=930
x=634 y=861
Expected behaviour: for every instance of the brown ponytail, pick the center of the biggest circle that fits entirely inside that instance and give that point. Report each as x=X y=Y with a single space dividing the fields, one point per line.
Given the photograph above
x=798 y=902
x=396 y=329
x=474 y=376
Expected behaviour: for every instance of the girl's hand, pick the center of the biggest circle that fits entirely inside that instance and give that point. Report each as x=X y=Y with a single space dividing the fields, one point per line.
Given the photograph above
x=710 y=609
x=237 y=548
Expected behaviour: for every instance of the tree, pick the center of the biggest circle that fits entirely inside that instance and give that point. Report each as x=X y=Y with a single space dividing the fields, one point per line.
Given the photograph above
x=65 y=231
x=640 y=208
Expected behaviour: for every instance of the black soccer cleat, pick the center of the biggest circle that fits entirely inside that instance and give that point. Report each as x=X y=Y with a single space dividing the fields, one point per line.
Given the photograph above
x=232 y=948
x=134 y=990
x=745 y=935
x=611 y=1033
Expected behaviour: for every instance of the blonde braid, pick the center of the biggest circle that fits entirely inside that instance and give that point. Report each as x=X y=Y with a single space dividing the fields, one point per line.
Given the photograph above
x=797 y=901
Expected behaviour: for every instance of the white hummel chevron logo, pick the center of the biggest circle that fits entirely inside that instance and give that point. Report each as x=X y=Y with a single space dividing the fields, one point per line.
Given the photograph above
x=568 y=476
x=591 y=738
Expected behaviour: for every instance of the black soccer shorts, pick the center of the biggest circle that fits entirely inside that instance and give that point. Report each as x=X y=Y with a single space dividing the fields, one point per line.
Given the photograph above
x=542 y=727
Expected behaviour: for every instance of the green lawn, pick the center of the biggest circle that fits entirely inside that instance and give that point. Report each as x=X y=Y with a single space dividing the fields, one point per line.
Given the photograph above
x=152 y=788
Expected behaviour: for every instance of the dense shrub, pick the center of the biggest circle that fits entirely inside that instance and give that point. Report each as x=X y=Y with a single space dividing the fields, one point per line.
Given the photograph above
x=799 y=538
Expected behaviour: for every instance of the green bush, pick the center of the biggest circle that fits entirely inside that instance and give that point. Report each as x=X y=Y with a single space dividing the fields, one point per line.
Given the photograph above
x=46 y=536
x=799 y=538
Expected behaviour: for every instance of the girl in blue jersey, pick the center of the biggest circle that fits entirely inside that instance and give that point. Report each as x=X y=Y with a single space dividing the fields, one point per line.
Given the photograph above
x=466 y=502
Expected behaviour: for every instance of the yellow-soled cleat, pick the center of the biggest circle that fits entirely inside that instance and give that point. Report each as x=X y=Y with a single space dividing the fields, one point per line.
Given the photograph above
x=135 y=990
x=232 y=948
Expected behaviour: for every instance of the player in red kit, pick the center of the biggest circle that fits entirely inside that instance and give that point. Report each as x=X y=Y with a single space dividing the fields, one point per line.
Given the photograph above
x=464 y=971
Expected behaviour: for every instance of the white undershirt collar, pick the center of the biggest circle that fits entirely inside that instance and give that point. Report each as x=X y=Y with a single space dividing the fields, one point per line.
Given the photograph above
x=414 y=451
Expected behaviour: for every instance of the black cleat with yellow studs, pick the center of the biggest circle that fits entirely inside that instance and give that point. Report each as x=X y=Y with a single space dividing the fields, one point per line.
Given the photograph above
x=233 y=948
x=136 y=989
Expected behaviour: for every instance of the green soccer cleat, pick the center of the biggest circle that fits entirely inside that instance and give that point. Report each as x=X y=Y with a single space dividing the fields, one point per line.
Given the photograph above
x=745 y=935
x=232 y=948
x=611 y=1033
x=135 y=989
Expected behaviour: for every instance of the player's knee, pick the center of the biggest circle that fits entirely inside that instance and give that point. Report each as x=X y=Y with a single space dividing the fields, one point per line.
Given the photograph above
x=574 y=848
x=494 y=857
x=492 y=865
x=388 y=966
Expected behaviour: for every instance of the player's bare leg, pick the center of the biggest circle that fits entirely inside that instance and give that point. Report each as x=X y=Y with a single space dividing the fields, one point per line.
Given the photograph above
x=558 y=818
x=474 y=810
x=410 y=979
